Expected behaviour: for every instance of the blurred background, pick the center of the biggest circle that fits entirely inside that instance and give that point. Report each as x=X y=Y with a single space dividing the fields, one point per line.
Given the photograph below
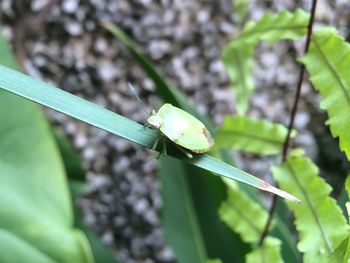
x=62 y=42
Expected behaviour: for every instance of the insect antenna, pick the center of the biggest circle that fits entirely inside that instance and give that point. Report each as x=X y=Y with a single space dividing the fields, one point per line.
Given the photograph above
x=142 y=105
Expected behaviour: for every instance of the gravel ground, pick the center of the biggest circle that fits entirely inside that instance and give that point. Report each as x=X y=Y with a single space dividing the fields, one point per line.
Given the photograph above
x=61 y=42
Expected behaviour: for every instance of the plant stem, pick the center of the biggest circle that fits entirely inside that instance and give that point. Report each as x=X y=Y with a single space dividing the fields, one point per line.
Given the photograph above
x=292 y=117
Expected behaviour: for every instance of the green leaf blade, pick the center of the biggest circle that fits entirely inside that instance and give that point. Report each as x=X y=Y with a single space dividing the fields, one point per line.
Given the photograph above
x=186 y=240
x=327 y=62
x=251 y=135
x=75 y=106
x=100 y=117
x=320 y=234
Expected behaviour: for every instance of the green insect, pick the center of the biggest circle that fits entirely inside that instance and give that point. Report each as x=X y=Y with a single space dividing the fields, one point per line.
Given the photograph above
x=181 y=128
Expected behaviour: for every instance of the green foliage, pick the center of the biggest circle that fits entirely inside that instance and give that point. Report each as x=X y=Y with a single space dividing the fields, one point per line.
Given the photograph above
x=100 y=117
x=205 y=191
x=319 y=220
x=327 y=62
x=242 y=215
x=270 y=251
x=36 y=221
x=251 y=135
x=238 y=54
x=240 y=8
x=207 y=194
x=186 y=241
x=29 y=160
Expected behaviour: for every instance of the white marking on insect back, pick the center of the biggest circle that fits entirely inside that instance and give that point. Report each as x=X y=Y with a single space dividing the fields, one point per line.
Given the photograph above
x=155 y=120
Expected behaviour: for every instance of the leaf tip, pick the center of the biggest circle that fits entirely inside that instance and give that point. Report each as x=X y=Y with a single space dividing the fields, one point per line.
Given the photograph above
x=267 y=187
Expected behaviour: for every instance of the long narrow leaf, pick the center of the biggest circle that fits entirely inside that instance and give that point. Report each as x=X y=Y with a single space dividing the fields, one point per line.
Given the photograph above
x=93 y=114
x=251 y=135
x=328 y=63
x=187 y=241
x=238 y=54
x=320 y=234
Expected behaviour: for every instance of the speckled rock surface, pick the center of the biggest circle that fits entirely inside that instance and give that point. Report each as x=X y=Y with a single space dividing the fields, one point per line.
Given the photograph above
x=62 y=43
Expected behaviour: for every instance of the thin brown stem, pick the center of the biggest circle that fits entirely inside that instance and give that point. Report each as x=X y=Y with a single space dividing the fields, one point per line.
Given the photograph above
x=292 y=118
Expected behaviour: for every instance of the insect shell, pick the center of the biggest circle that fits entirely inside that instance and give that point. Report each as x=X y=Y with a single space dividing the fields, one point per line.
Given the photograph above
x=182 y=128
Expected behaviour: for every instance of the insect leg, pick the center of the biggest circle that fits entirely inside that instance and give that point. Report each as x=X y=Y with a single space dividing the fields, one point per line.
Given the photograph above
x=184 y=151
x=155 y=144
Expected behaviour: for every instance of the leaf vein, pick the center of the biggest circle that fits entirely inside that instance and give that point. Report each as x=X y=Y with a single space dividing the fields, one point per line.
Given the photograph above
x=334 y=71
x=312 y=209
x=246 y=219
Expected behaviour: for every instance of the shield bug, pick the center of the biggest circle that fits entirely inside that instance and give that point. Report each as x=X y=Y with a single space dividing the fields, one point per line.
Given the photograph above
x=181 y=128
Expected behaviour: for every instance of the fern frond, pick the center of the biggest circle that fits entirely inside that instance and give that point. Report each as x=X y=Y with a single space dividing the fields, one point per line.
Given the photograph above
x=328 y=63
x=274 y=27
x=319 y=220
x=238 y=54
x=251 y=135
x=237 y=213
x=270 y=251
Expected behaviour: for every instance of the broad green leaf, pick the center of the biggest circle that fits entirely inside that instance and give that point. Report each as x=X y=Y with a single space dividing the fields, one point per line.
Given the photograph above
x=327 y=62
x=30 y=165
x=16 y=249
x=35 y=209
x=238 y=54
x=186 y=240
x=319 y=220
x=251 y=135
x=270 y=251
x=242 y=215
x=240 y=8
x=100 y=117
